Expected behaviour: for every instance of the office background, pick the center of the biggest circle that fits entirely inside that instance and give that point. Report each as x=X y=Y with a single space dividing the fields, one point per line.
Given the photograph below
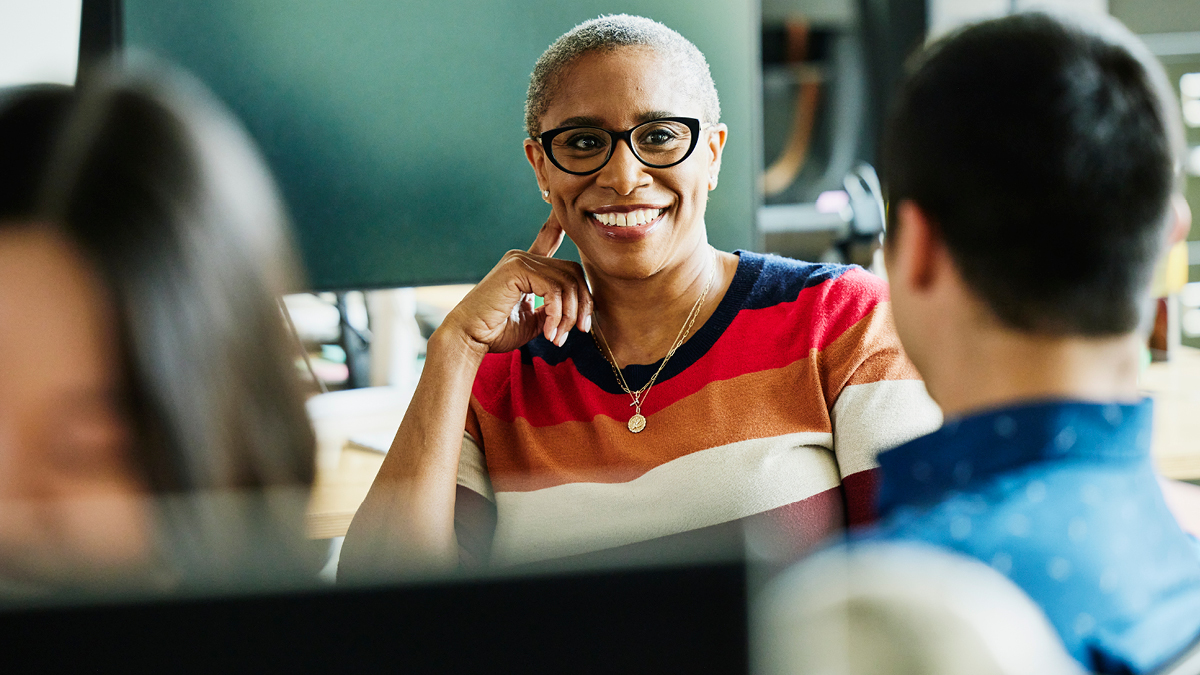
x=396 y=129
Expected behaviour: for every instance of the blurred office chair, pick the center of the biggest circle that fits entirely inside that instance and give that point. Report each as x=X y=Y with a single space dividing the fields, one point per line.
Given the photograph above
x=844 y=226
x=900 y=609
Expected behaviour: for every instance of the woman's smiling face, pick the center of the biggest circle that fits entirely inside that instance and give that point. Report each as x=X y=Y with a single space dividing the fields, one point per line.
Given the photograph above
x=628 y=220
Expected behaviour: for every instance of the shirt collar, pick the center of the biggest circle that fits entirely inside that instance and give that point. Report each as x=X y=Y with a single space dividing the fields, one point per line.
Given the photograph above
x=974 y=448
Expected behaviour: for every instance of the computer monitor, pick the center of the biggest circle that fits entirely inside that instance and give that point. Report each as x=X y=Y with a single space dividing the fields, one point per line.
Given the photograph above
x=685 y=619
x=395 y=128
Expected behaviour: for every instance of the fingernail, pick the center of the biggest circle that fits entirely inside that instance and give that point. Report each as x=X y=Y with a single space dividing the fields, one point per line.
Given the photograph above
x=553 y=333
x=587 y=323
x=562 y=339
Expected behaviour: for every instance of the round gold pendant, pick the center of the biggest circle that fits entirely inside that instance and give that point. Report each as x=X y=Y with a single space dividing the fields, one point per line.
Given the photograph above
x=636 y=423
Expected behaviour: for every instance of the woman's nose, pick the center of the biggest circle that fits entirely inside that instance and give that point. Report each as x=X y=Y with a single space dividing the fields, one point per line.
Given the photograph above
x=624 y=173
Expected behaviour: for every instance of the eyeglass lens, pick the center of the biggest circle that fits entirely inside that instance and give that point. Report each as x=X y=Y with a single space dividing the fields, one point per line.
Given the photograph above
x=657 y=143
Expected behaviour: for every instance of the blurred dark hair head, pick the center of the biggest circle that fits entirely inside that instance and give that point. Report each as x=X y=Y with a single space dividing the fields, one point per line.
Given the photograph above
x=1045 y=151
x=166 y=195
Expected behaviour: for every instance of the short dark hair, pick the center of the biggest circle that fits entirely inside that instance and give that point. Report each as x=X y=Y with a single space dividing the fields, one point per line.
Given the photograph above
x=1045 y=151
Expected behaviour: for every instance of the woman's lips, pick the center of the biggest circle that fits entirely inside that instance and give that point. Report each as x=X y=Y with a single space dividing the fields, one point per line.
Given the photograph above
x=627 y=218
x=633 y=224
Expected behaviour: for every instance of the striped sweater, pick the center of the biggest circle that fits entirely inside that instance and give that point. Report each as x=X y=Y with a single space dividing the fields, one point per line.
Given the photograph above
x=772 y=412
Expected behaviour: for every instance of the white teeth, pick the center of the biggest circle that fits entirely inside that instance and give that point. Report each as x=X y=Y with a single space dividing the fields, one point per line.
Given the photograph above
x=630 y=219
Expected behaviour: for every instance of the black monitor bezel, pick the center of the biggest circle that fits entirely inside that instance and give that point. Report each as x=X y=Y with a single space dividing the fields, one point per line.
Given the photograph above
x=101 y=33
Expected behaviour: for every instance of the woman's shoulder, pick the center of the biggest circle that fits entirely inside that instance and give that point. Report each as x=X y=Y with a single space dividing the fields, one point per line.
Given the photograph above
x=779 y=280
x=500 y=374
x=493 y=379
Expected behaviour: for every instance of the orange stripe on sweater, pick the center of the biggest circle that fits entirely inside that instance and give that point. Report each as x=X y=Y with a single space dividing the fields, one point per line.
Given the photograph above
x=521 y=457
x=870 y=351
x=793 y=398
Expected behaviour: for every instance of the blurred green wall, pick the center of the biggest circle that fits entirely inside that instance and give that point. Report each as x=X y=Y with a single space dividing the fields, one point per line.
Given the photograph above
x=1157 y=16
x=395 y=128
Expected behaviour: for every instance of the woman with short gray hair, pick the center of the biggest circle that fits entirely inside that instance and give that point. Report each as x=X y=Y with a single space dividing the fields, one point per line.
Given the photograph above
x=664 y=388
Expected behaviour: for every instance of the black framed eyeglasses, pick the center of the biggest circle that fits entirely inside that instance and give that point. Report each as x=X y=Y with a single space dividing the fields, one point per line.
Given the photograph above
x=658 y=144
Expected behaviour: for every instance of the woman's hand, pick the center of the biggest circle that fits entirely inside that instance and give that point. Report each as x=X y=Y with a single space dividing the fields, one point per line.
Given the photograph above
x=407 y=518
x=498 y=314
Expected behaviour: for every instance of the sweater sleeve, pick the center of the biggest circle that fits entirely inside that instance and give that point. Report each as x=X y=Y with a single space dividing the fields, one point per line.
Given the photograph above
x=876 y=399
x=474 y=501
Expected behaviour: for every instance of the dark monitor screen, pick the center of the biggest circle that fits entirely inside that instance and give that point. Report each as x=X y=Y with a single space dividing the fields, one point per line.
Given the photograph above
x=688 y=619
x=395 y=128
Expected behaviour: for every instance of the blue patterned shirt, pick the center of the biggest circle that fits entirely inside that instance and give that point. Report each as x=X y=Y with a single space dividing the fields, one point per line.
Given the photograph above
x=1061 y=497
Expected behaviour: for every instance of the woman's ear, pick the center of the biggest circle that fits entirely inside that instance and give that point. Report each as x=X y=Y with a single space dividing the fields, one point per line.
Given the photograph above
x=536 y=155
x=716 y=145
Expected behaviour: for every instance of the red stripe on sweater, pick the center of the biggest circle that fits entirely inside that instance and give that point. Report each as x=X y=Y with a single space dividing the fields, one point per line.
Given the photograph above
x=750 y=344
x=861 y=491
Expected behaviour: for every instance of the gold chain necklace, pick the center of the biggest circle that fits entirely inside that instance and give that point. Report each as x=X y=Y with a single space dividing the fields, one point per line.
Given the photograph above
x=637 y=423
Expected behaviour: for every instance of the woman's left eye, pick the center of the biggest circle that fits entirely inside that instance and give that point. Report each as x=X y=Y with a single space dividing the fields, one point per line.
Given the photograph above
x=658 y=137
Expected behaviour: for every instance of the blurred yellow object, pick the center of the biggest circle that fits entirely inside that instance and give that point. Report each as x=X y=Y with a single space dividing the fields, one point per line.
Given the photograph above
x=1172 y=272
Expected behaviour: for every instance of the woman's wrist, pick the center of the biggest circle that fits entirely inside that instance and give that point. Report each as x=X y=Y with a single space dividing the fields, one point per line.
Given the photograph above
x=454 y=346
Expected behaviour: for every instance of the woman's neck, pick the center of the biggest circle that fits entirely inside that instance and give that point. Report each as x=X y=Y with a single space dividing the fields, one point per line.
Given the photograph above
x=641 y=318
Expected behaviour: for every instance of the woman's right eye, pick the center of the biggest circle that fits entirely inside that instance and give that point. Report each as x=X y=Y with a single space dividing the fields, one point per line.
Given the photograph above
x=584 y=141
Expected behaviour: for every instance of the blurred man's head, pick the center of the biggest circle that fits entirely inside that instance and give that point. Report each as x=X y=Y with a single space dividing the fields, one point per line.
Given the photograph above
x=1036 y=158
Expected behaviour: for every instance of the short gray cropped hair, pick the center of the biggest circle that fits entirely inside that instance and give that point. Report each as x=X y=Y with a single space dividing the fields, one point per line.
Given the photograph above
x=607 y=33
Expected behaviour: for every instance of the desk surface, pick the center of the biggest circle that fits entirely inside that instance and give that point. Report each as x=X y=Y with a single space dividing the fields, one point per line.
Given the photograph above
x=344 y=474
